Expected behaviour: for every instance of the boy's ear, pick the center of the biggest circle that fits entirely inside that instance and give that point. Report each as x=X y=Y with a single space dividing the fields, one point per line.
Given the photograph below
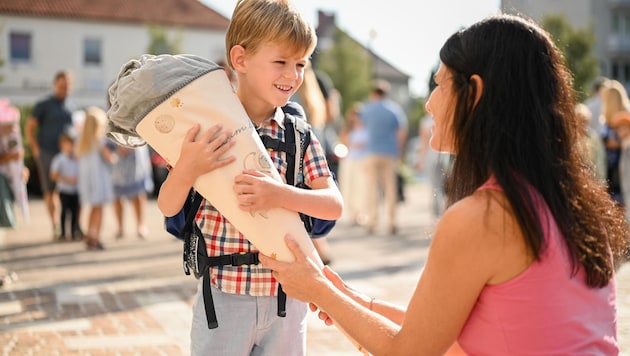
x=237 y=54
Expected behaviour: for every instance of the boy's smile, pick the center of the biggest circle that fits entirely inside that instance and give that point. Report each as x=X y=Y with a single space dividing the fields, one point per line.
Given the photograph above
x=268 y=77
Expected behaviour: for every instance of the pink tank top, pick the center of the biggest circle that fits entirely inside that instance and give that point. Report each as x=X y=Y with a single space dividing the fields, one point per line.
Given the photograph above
x=544 y=310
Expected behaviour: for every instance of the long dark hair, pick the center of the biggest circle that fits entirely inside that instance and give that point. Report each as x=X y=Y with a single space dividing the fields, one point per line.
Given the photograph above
x=523 y=128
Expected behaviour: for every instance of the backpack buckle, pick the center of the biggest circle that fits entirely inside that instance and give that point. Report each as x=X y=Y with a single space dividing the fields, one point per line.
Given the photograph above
x=244 y=258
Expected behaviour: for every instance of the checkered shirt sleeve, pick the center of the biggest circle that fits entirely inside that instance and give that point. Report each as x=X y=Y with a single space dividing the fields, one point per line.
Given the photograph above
x=222 y=238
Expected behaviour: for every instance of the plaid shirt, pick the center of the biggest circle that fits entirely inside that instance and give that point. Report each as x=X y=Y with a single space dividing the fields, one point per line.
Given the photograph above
x=222 y=238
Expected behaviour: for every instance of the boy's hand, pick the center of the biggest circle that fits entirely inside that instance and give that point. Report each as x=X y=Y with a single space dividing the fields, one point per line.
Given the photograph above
x=204 y=154
x=257 y=192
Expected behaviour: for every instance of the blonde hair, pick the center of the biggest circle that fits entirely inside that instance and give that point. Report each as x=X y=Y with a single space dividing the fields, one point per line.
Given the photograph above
x=614 y=100
x=93 y=130
x=255 y=22
x=312 y=98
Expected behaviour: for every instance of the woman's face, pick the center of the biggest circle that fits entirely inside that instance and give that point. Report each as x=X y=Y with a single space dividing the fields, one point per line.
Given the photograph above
x=440 y=105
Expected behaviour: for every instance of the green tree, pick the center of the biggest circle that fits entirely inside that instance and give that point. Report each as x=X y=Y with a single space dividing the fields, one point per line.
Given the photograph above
x=160 y=42
x=577 y=48
x=349 y=66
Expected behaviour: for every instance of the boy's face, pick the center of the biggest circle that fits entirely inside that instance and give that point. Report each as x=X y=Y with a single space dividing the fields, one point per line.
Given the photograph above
x=273 y=74
x=66 y=146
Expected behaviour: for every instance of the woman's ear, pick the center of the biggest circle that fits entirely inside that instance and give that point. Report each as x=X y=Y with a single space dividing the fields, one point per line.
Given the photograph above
x=476 y=80
x=237 y=56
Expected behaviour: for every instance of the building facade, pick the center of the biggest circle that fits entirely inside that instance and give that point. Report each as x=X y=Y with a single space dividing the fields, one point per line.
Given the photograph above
x=610 y=20
x=93 y=39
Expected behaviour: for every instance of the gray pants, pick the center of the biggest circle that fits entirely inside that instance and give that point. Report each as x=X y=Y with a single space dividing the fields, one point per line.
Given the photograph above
x=248 y=326
x=47 y=185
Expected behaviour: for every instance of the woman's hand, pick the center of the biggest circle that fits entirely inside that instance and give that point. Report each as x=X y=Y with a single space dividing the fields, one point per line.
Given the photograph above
x=303 y=280
x=300 y=279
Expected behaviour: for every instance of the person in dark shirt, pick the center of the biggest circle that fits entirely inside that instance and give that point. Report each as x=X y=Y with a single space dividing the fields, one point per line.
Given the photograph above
x=49 y=119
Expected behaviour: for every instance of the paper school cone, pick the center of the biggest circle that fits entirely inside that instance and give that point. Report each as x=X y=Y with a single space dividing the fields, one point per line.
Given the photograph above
x=202 y=94
x=209 y=100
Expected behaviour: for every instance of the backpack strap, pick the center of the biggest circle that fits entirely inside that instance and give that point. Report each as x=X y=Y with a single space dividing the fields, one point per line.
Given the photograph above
x=295 y=125
x=186 y=234
x=195 y=202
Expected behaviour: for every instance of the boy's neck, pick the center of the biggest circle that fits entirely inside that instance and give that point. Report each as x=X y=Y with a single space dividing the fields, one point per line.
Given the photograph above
x=257 y=111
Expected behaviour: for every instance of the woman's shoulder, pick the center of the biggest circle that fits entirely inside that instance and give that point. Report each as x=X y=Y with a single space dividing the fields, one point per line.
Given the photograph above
x=482 y=202
x=483 y=228
x=478 y=220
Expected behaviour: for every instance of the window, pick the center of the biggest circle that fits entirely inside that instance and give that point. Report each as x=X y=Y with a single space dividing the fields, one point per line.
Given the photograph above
x=92 y=51
x=20 y=46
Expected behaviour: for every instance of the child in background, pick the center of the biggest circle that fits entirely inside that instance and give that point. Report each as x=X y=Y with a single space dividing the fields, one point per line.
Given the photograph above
x=132 y=180
x=64 y=171
x=95 y=173
x=12 y=171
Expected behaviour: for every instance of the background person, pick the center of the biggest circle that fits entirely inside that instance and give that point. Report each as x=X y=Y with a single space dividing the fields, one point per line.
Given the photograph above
x=317 y=108
x=591 y=145
x=13 y=174
x=386 y=125
x=352 y=170
x=132 y=180
x=95 y=173
x=64 y=171
x=614 y=101
x=49 y=118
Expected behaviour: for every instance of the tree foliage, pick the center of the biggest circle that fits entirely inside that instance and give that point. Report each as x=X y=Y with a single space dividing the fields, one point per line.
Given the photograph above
x=577 y=48
x=349 y=66
x=160 y=42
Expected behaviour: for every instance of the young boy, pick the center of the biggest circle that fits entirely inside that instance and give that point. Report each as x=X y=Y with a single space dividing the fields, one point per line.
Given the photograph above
x=268 y=45
x=64 y=171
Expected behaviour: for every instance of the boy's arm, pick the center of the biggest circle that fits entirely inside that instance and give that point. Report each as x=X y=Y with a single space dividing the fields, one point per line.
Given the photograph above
x=322 y=201
x=259 y=192
x=196 y=158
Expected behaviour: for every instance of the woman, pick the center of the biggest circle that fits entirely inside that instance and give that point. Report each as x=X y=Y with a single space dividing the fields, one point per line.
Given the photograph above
x=522 y=259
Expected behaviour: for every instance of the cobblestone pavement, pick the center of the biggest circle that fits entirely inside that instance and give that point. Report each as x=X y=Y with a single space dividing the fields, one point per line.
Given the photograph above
x=133 y=298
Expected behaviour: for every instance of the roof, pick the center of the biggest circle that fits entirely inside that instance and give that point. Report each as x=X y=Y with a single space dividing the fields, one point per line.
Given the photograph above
x=187 y=13
x=326 y=28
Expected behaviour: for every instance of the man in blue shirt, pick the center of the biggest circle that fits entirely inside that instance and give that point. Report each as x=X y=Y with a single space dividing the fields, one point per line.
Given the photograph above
x=386 y=124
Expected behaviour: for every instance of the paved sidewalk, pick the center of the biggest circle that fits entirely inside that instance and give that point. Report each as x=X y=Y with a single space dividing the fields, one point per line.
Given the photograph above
x=133 y=298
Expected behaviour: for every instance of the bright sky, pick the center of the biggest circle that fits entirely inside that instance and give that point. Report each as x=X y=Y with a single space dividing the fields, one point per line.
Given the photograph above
x=409 y=34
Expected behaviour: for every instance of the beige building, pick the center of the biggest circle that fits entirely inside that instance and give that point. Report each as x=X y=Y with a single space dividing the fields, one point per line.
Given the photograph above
x=611 y=24
x=93 y=39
